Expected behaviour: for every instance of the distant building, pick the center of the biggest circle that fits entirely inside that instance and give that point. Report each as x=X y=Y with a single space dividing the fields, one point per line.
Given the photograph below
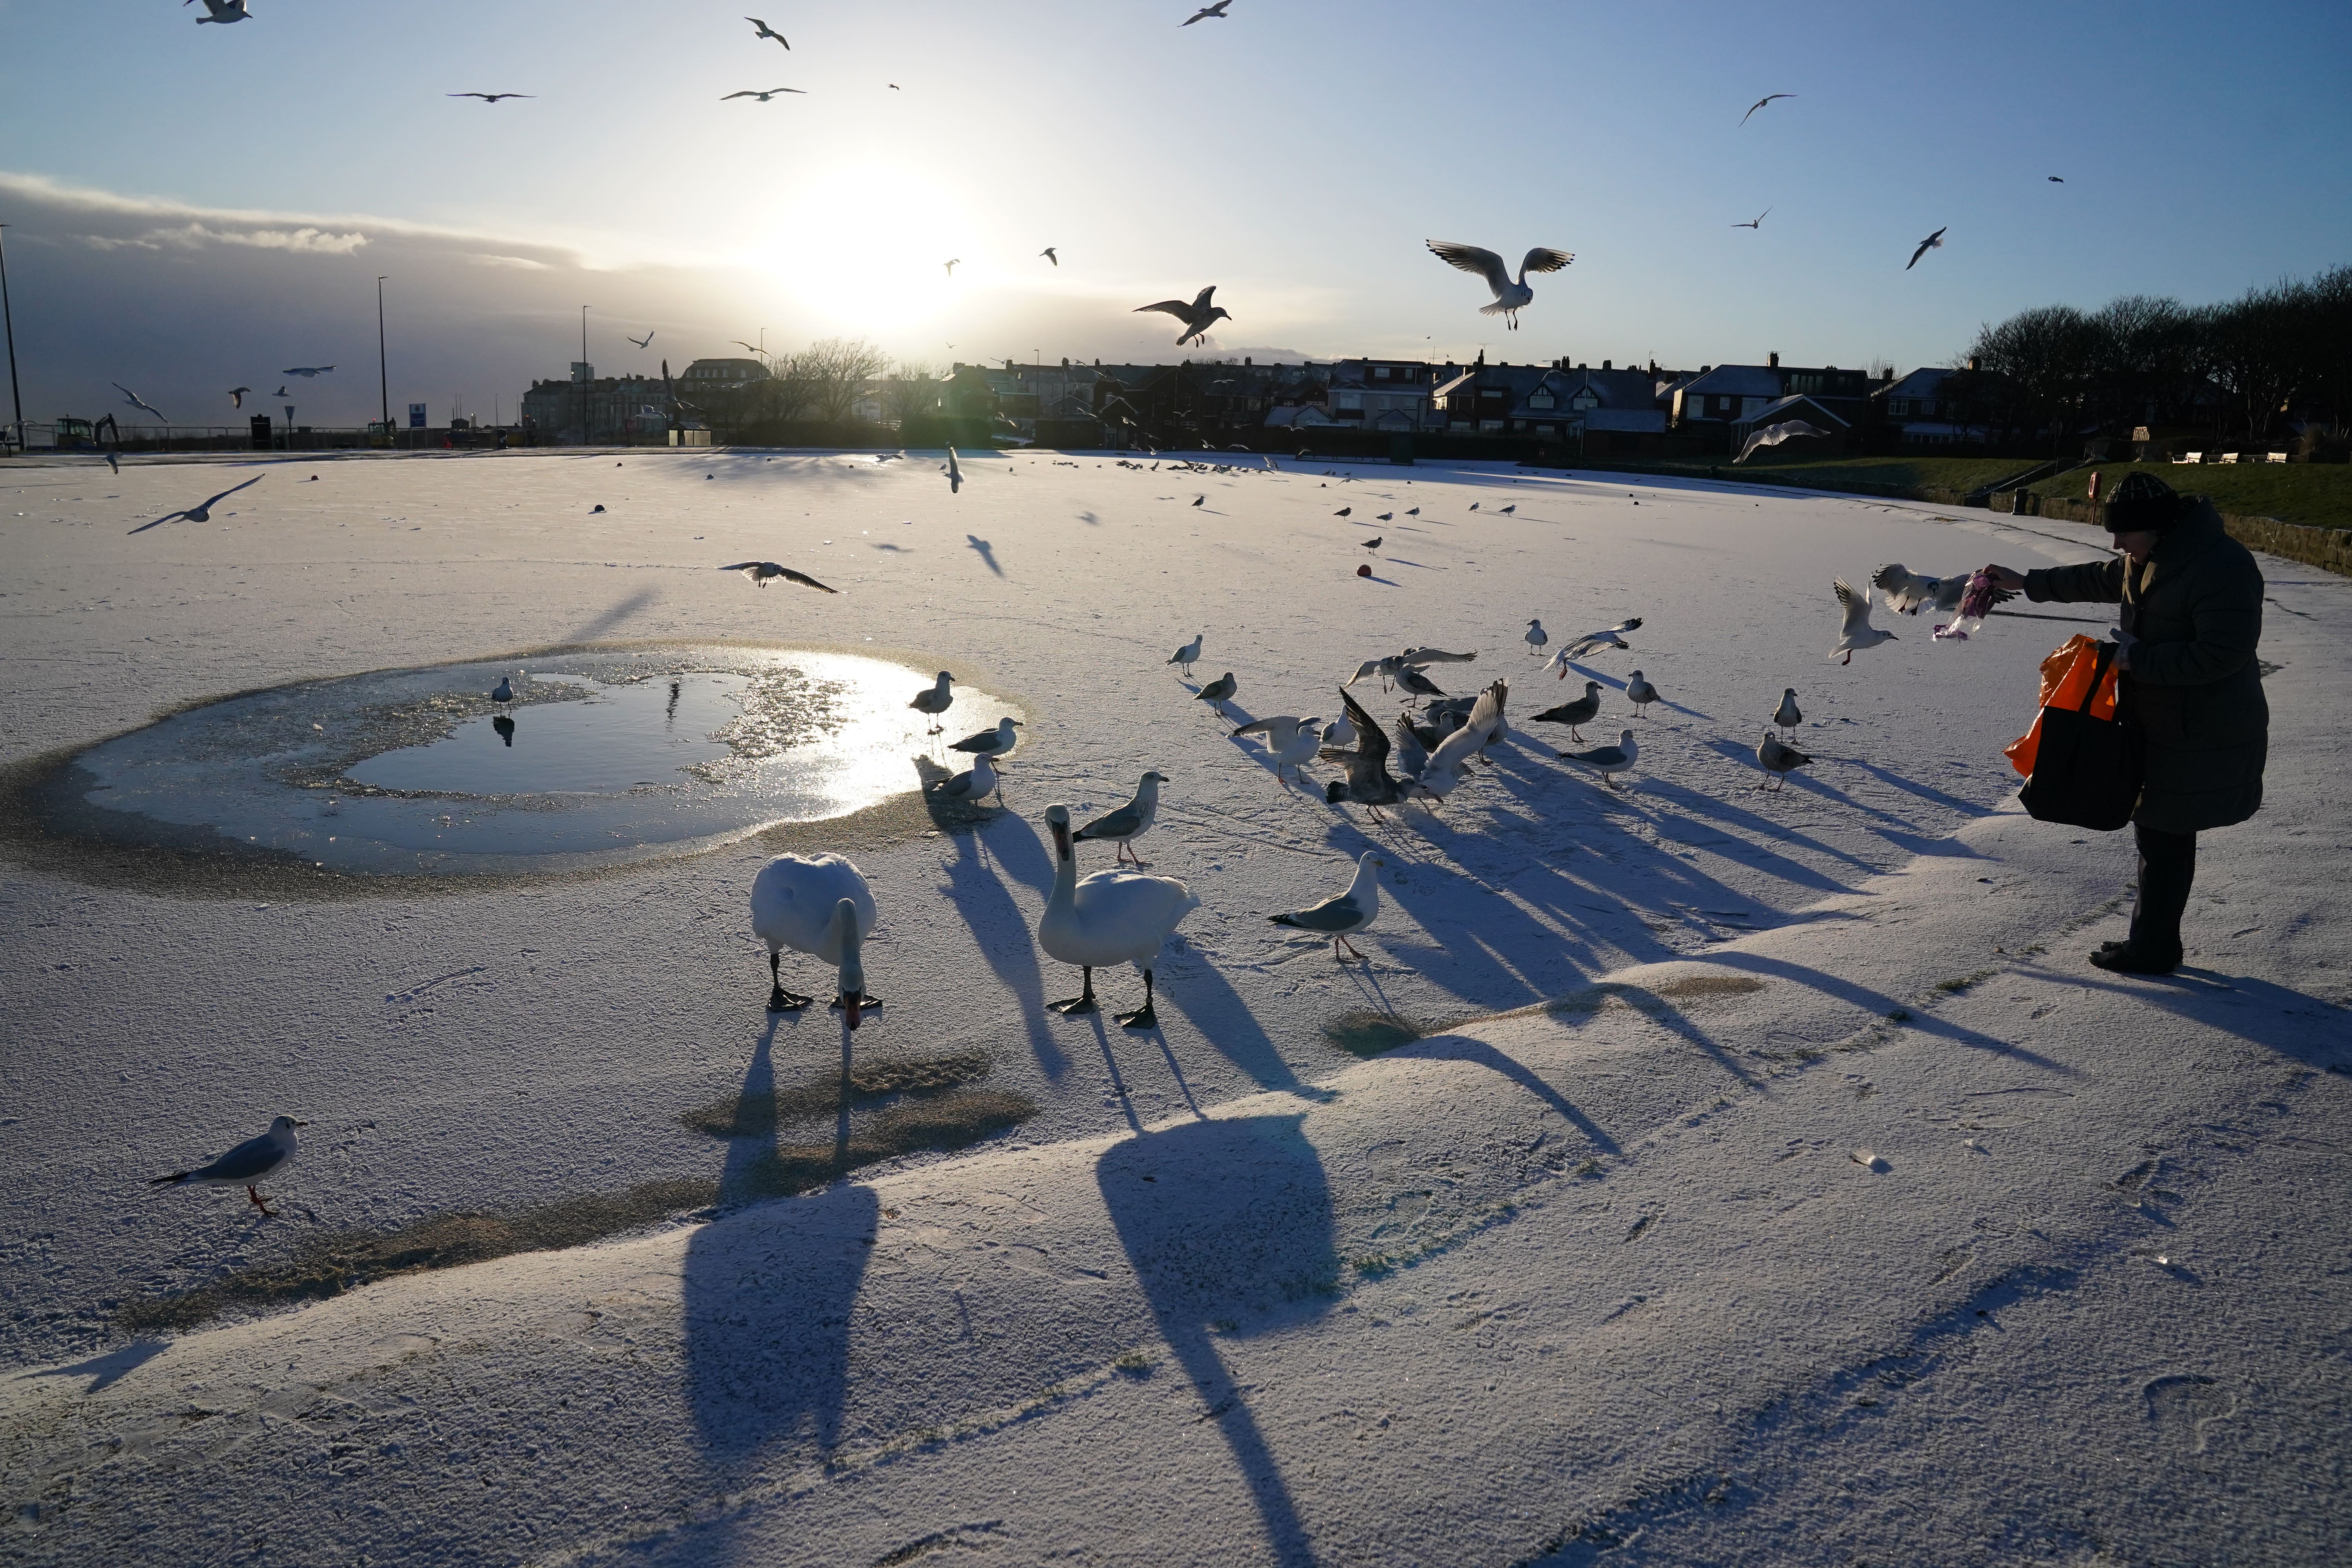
x=616 y=408
x=1726 y=396
x=719 y=376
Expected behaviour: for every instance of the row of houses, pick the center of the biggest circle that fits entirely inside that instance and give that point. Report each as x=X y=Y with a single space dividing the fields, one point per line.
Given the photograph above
x=1628 y=411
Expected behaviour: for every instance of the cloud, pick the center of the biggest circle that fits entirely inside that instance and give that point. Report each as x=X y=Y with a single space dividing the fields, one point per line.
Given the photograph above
x=523 y=263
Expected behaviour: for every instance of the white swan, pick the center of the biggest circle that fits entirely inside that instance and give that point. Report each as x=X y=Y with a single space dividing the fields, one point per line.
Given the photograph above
x=1110 y=917
x=819 y=905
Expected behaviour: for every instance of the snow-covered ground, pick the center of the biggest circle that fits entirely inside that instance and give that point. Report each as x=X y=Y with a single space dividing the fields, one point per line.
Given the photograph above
x=1606 y=1280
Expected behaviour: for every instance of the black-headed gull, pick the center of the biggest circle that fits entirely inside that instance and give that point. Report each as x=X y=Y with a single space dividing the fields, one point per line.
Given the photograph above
x=1511 y=296
x=203 y=511
x=1536 y=638
x=1290 y=740
x=760 y=571
x=1855 y=633
x=244 y=1166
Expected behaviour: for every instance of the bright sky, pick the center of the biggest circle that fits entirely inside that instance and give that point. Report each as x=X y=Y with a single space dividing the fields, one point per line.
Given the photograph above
x=1296 y=155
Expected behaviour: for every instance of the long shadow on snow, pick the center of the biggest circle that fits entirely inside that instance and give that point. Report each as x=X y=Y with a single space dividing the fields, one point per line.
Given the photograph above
x=768 y=1295
x=2277 y=1017
x=1224 y=1221
x=978 y=895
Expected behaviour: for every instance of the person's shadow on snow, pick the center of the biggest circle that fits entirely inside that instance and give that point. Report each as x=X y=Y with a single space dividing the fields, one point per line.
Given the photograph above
x=1228 y=1225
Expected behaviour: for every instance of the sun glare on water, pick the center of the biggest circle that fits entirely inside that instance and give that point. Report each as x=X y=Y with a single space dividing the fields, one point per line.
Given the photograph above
x=861 y=251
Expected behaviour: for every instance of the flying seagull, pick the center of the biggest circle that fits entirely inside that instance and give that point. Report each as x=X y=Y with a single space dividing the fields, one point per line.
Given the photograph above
x=203 y=511
x=1510 y=297
x=640 y=342
x=281 y=391
x=1856 y=632
x=307 y=371
x=1756 y=222
x=222 y=11
x=138 y=402
x=762 y=97
x=236 y=396
x=761 y=571
x=1216 y=10
x=1368 y=782
x=1048 y=254
x=1773 y=435
x=1198 y=317
x=1763 y=101
x=489 y=96
x=1594 y=642
x=952 y=266
x=254 y=1159
x=766 y=32
x=1933 y=242
x=1288 y=738
x=2055 y=180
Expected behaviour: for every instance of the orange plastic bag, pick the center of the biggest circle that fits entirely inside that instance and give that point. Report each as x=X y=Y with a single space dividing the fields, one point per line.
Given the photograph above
x=2065 y=676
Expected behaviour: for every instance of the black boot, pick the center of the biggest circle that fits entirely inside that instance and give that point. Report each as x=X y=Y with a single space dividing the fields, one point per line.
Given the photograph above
x=2167 y=869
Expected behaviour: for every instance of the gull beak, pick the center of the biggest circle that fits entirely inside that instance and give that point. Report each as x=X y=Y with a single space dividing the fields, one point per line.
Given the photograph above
x=302 y=1124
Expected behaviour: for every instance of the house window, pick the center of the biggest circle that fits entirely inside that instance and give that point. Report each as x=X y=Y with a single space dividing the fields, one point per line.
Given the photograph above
x=1380 y=372
x=1540 y=398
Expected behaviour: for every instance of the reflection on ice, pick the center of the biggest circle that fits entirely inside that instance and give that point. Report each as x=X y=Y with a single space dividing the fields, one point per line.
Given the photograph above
x=603 y=757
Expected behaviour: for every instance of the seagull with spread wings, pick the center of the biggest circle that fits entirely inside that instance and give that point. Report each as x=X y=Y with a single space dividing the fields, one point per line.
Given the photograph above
x=1933 y=242
x=489 y=96
x=762 y=97
x=1048 y=254
x=307 y=372
x=1856 y=632
x=1763 y=101
x=1756 y=222
x=640 y=342
x=1216 y=10
x=236 y=396
x=224 y=11
x=766 y=32
x=1511 y=295
x=203 y=511
x=761 y=571
x=1198 y=317
x=138 y=402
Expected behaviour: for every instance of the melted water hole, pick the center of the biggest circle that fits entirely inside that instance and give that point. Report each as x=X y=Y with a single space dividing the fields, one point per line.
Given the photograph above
x=600 y=758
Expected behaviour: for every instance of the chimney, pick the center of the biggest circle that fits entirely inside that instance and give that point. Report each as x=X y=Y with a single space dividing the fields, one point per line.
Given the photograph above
x=1608 y=365
x=1972 y=362
x=1775 y=360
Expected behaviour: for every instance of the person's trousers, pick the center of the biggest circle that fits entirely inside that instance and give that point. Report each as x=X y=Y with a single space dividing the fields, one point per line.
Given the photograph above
x=2167 y=867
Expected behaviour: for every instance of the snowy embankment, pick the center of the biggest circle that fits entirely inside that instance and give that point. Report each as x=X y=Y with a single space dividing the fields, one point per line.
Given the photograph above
x=1891 y=1230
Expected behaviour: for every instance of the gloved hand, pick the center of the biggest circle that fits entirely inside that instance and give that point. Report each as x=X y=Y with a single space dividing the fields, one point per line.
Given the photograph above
x=2124 y=641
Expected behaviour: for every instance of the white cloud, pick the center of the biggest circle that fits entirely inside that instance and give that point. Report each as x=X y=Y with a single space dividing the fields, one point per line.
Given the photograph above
x=519 y=262
x=194 y=235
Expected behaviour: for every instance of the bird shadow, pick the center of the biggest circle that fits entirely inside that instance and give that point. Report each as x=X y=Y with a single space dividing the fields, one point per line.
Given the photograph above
x=892 y=549
x=1416 y=566
x=986 y=551
x=597 y=625
x=106 y=1371
x=975 y=889
x=1384 y=582
x=1454 y=1048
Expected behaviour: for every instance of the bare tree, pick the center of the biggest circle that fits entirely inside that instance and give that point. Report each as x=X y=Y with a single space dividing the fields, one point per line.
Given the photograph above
x=912 y=392
x=2045 y=354
x=2255 y=351
x=834 y=371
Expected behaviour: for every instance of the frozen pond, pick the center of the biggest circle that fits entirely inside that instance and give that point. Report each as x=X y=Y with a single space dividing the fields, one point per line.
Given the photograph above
x=600 y=758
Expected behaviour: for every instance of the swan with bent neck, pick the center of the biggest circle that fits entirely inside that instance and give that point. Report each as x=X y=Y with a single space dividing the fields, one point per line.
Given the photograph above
x=1110 y=917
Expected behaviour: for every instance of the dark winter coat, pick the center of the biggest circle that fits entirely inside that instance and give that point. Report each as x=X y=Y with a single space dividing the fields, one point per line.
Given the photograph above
x=2194 y=688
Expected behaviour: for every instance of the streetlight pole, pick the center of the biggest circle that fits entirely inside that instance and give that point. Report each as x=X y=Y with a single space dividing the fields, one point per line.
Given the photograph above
x=383 y=377
x=583 y=375
x=6 y=315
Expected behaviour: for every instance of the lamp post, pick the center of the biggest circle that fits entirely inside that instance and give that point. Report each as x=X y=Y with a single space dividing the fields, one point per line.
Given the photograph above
x=6 y=315
x=383 y=379
x=583 y=375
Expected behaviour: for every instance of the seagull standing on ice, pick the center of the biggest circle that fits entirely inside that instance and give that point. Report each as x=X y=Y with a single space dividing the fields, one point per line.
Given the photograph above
x=761 y=571
x=1289 y=740
x=203 y=511
x=1776 y=759
x=1788 y=715
x=1129 y=822
x=1218 y=690
x=1933 y=242
x=1511 y=296
x=1607 y=761
x=1198 y=317
x=247 y=1164
x=1855 y=633
x=992 y=743
x=1343 y=915
x=1188 y=654
x=503 y=691
x=1639 y=692
x=1537 y=638
x=935 y=701
x=1581 y=712
x=975 y=784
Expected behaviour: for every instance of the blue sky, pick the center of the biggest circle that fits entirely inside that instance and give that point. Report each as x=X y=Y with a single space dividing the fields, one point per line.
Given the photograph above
x=1296 y=155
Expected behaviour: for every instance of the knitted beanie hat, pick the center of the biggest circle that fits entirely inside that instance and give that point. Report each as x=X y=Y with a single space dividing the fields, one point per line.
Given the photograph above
x=2144 y=502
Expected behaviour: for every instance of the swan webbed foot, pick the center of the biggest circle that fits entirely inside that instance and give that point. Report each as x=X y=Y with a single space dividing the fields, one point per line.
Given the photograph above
x=864 y=999
x=782 y=1000
x=1085 y=1003
x=1143 y=1017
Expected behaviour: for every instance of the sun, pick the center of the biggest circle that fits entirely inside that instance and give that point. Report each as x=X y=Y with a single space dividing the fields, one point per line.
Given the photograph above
x=861 y=251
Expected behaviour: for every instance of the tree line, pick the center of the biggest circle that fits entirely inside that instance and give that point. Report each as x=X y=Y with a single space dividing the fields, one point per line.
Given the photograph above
x=822 y=383
x=2275 y=357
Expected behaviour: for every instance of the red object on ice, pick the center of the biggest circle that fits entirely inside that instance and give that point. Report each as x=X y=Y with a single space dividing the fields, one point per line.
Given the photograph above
x=1363 y=571
x=2094 y=484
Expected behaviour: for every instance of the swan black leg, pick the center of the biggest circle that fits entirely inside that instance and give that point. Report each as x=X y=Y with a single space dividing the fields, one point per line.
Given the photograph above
x=779 y=999
x=1084 y=1001
x=1143 y=1017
